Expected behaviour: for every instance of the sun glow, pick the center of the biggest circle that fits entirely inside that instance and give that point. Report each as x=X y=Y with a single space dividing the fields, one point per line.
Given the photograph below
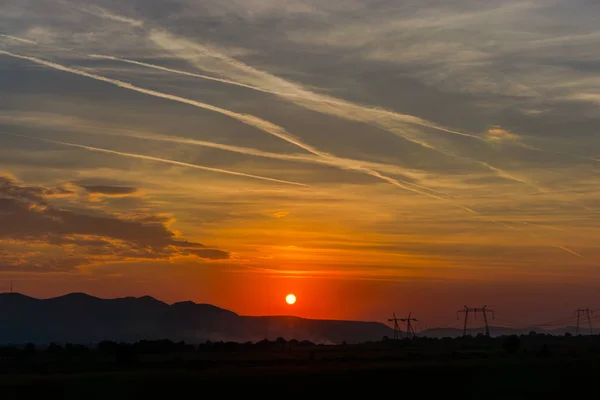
x=290 y=299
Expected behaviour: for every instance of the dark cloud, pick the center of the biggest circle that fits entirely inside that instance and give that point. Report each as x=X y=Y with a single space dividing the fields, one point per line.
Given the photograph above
x=68 y=238
x=212 y=254
x=109 y=190
x=30 y=193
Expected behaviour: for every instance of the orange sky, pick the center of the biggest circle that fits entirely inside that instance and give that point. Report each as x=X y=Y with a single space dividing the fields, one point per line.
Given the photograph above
x=370 y=160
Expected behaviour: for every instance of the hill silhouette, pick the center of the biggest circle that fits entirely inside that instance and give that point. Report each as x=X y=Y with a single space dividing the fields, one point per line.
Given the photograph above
x=81 y=318
x=84 y=319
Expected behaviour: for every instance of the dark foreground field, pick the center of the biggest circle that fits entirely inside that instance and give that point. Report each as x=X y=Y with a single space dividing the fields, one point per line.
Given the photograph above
x=477 y=368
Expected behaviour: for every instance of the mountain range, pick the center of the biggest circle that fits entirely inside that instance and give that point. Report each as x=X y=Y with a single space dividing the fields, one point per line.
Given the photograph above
x=81 y=318
x=84 y=319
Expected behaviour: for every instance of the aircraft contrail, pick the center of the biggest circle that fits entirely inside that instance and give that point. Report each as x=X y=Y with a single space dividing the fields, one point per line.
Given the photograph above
x=334 y=161
x=251 y=120
x=337 y=107
x=384 y=119
x=570 y=251
x=338 y=162
x=158 y=159
x=18 y=39
x=312 y=97
x=180 y=72
x=256 y=122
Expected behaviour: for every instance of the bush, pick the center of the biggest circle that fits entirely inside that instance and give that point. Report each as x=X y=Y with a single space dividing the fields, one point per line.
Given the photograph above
x=512 y=344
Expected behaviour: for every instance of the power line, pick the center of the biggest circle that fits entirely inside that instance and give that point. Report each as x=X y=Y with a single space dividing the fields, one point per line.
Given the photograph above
x=583 y=312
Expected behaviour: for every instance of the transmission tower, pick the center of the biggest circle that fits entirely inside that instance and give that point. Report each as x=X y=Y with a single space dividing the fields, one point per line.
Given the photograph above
x=397 y=331
x=585 y=312
x=410 y=330
x=483 y=310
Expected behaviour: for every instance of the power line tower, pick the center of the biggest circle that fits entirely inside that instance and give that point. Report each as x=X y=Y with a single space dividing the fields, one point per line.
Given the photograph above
x=397 y=331
x=583 y=312
x=410 y=331
x=483 y=310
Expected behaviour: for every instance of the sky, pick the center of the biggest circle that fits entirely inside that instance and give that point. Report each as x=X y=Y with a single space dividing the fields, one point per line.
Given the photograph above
x=369 y=156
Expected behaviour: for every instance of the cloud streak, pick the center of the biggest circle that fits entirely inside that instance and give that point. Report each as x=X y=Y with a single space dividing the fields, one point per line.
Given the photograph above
x=398 y=124
x=256 y=122
x=160 y=160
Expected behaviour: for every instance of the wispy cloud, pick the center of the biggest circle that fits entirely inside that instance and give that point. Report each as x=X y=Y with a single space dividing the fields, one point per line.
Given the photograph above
x=102 y=12
x=210 y=59
x=256 y=122
x=489 y=100
x=498 y=134
x=242 y=75
x=161 y=160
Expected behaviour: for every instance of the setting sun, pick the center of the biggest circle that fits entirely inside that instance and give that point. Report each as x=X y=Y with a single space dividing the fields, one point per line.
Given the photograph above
x=290 y=299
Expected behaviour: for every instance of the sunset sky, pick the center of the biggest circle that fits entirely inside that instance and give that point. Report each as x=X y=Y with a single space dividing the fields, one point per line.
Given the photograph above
x=369 y=156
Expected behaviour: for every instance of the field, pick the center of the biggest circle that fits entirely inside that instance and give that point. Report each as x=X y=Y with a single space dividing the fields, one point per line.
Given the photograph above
x=538 y=367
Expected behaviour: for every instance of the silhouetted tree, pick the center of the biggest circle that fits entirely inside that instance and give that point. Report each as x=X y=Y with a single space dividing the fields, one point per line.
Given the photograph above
x=512 y=344
x=54 y=349
x=29 y=349
x=125 y=354
x=107 y=347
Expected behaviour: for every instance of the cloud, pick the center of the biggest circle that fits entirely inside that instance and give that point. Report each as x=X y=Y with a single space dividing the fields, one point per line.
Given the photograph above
x=104 y=13
x=158 y=159
x=211 y=254
x=110 y=190
x=209 y=58
x=498 y=134
x=251 y=120
x=43 y=236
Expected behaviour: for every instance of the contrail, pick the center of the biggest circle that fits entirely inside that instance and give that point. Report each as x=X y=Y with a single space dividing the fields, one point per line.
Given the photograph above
x=545 y=227
x=341 y=108
x=180 y=72
x=563 y=248
x=341 y=163
x=256 y=122
x=18 y=39
x=353 y=112
x=251 y=120
x=327 y=158
x=338 y=162
x=182 y=47
x=312 y=96
x=570 y=251
x=157 y=159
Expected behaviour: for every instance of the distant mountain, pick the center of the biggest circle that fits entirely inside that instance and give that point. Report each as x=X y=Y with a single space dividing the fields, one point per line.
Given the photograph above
x=80 y=318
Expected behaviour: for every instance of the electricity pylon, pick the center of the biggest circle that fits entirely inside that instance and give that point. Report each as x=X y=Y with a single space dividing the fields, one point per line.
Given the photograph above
x=397 y=331
x=583 y=311
x=410 y=330
x=483 y=310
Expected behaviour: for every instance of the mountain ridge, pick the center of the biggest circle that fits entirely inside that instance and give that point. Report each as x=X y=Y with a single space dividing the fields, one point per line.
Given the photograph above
x=82 y=318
